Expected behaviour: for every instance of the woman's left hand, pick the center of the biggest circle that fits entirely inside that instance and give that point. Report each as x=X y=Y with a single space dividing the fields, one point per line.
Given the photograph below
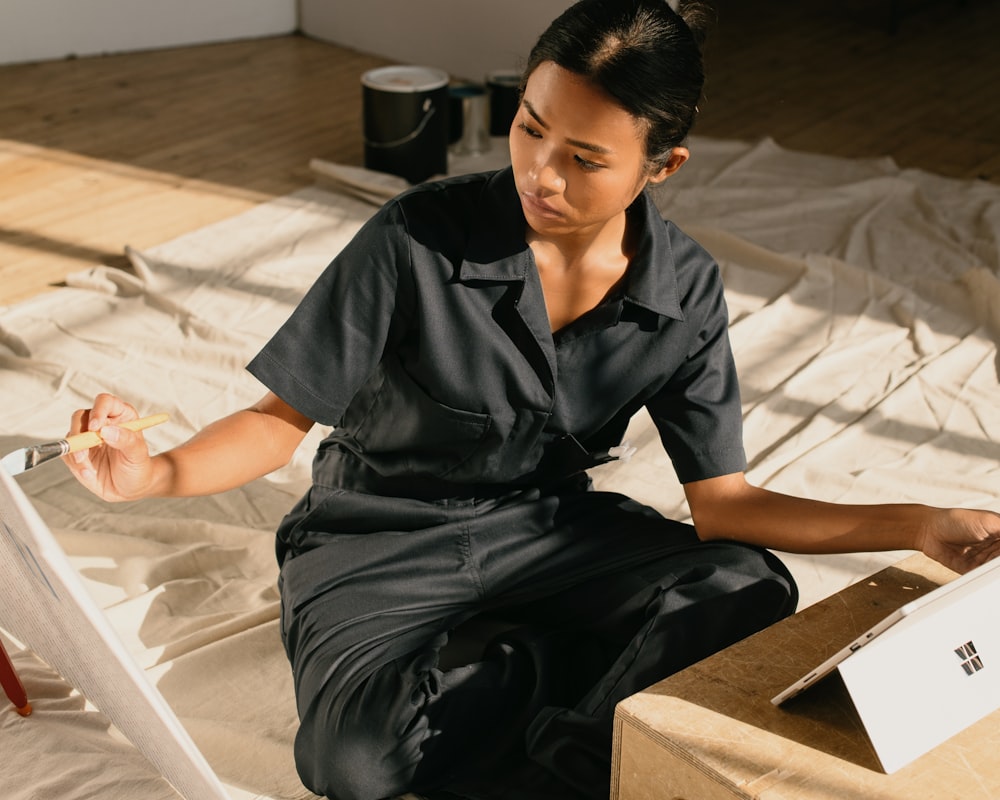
x=962 y=538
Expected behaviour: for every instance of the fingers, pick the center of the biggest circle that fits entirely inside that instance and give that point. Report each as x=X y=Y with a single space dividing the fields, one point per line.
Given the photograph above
x=106 y=414
x=131 y=444
x=983 y=552
x=971 y=538
x=107 y=410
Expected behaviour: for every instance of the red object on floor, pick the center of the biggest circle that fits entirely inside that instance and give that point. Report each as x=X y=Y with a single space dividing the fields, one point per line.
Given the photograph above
x=12 y=685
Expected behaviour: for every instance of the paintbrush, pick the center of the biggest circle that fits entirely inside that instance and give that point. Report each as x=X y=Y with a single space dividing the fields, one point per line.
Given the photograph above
x=30 y=457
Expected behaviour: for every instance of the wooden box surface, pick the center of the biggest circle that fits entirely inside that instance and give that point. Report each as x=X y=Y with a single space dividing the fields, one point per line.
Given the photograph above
x=711 y=732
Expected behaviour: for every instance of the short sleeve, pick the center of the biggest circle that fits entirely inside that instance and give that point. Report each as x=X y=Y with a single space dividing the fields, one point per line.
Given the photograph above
x=336 y=336
x=698 y=412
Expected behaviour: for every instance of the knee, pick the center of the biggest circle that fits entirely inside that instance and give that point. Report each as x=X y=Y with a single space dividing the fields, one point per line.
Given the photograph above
x=361 y=737
x=777 y=580
x=356 y=750
x=345 y=762
x=753 y=577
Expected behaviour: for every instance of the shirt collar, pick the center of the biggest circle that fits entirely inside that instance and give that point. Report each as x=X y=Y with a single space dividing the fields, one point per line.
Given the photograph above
x=497 y=250
x=652 y=275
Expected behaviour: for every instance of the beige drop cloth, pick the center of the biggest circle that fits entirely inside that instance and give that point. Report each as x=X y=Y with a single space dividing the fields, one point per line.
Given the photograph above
x=864 y=304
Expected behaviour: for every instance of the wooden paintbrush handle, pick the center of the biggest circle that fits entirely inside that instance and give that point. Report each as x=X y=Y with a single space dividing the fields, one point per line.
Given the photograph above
x=84 y=441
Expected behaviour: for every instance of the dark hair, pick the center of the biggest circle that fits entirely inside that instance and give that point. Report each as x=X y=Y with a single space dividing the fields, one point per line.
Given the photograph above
x=645 y=55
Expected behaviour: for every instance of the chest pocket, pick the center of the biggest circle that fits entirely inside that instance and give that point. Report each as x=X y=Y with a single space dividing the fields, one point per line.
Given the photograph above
x=400 y=429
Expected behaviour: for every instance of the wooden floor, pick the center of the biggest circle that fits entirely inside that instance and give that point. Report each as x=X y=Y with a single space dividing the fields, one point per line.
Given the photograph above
x=97 y=153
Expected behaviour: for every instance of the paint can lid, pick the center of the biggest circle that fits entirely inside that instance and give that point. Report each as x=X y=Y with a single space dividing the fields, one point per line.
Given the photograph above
x=405 y=79
x=504 y=77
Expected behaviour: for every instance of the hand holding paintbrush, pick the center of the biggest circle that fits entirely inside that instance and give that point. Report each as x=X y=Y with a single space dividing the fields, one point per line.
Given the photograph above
x=32 y=456
x=226 y=454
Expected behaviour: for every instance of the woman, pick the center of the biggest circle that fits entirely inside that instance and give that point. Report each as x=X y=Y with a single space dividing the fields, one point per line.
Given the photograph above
x=481 y=343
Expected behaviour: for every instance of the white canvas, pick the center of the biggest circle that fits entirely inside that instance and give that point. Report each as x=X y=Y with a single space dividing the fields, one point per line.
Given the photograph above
x=44 y=604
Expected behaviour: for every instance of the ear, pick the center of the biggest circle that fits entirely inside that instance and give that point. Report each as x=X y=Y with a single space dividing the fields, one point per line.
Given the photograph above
x=676 y=160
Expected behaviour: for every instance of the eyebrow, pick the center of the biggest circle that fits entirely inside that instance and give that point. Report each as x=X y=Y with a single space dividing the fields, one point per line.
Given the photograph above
x=594 y=148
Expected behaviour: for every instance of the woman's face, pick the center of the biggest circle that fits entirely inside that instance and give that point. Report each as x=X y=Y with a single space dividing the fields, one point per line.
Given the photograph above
x=578 y=157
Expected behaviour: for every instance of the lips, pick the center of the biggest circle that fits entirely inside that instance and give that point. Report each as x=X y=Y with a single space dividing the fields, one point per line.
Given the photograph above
x=537 y=206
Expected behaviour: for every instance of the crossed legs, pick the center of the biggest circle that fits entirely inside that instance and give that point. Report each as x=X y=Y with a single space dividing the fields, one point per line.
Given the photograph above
x=605 y=598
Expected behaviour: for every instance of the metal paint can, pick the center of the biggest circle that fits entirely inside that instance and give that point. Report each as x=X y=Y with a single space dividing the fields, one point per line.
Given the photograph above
x=504 y=87
x=405 y=119
x=468 y=122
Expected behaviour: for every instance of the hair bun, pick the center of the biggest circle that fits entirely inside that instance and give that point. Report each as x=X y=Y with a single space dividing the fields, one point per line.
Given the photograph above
x=697 y=15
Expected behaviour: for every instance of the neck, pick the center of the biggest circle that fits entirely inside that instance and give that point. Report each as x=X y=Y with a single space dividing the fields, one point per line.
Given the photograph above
x=580 y=249
x=578 y=272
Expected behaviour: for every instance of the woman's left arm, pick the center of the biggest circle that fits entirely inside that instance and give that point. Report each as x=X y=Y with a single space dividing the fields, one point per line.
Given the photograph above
x=728 y=507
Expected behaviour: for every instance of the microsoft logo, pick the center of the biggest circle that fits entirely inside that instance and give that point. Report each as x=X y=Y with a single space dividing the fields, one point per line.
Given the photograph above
x=971 y=662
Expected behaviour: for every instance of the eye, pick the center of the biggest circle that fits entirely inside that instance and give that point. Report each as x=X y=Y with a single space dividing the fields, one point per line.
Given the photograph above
x=529 y=131
x=588 y=166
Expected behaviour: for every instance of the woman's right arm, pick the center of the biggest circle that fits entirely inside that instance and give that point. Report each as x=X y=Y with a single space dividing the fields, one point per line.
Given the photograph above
x=227 y=453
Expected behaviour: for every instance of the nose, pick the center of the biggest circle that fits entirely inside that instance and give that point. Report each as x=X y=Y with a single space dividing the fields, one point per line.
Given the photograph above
x=546 y=176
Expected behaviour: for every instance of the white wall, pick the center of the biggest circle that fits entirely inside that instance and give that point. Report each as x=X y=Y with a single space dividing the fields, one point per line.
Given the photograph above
x=37 y=30
x=467 y=38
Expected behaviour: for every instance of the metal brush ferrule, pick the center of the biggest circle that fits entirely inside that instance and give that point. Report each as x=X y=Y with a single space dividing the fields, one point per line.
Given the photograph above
x=41 y=453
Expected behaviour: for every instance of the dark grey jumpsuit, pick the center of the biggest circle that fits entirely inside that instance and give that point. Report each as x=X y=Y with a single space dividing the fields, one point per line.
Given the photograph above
x=453 y=488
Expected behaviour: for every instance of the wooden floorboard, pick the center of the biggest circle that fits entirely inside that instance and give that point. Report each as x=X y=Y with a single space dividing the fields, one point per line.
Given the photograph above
x=136 y=149
x=829 y=77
